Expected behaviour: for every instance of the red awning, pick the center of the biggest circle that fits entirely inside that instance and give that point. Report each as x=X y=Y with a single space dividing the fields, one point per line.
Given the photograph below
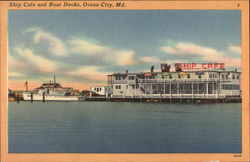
x=147 y=74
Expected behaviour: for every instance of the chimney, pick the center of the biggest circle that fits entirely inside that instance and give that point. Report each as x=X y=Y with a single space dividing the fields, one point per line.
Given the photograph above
x=152 y=69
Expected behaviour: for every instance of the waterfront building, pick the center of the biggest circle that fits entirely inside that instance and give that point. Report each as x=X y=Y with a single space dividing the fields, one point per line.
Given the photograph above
x=102 y=90
x=212 y=81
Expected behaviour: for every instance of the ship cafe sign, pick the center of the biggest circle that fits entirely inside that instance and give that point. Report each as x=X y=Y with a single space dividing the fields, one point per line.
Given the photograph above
x=181 y=67
x=200 y=66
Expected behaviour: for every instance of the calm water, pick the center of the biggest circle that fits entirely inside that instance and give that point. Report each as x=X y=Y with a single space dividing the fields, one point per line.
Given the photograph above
x=108 y=127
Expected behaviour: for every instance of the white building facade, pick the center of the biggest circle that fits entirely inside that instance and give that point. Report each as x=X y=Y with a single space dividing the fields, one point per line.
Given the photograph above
x=206 y=84
x=102 y=90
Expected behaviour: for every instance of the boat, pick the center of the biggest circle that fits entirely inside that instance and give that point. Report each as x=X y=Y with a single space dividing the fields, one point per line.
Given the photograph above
x=53 y=92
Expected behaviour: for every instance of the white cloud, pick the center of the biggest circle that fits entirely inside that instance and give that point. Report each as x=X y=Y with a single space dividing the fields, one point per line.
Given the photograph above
x=107 y=54
x=84 y=47
x=89 y=72
x=125 y=58
x=56 y=46
x=236 y=49
x=40 y=63
x=16 y=74
x=203 y=53
x=189 y=49
x=150 y=59
x=15 y=64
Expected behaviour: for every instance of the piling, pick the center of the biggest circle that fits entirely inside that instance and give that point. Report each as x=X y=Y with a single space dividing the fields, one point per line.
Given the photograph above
x=170 y=100
x=17 y=98
x=31 y=97
x=43 y=96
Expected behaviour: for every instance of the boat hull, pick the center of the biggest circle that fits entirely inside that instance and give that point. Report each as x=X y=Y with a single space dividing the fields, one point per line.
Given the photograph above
x=40 y=97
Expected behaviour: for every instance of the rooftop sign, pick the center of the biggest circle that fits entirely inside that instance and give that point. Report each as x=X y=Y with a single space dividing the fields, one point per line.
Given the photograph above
x=200 y=66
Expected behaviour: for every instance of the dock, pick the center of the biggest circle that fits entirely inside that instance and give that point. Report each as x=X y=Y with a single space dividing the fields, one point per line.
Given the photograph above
x=166 y=99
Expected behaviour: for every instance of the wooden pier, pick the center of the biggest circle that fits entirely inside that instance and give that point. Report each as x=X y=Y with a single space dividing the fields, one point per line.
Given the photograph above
x=151 y=98
x=168 y=99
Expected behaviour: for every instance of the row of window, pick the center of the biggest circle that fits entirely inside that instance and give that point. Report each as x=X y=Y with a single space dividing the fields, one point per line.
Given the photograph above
x=234 y=76
x=118 y=87
x=97 y=89
x=224 y=86
x=119 y=77
x=223 y=76
x=123 y=77
x=213 y=75
x=230 y=86
x=131 y=78
x=133 y=86
x=179 y=76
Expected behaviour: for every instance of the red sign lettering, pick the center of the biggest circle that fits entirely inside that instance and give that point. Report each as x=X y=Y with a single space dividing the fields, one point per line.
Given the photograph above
x=200 y=66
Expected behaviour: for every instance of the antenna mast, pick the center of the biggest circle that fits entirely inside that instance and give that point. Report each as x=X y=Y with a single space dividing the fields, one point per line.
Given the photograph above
x=54 y=79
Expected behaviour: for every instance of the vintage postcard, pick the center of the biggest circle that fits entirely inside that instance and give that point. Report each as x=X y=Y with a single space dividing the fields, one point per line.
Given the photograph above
x=124 y=81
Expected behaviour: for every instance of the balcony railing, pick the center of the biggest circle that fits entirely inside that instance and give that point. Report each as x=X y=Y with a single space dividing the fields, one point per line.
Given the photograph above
x=179 y=80
x=195 y=96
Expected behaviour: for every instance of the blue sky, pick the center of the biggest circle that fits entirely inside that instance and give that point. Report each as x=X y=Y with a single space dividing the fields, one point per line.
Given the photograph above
x=86 y=45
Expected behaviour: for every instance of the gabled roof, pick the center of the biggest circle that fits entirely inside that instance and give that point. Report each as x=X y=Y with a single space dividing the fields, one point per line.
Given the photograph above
x=50 y=85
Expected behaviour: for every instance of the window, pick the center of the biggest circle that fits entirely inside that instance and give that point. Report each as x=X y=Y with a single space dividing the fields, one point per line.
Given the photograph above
x=100 y=89
x=210 y=75
x=131 y=78
x=117 y=78
x=188 y=75
x=235 y=87
x=118 y=87
x=179 y=76
x=162 y=77
x=123 y=77
x=238 y=76
x=230 y=87
x=199 y=76
x=233 y=76
x=133 y=87
x=222 y=76
x=170 y=76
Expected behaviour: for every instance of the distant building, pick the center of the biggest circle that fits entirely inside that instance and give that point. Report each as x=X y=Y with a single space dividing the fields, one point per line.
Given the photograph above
x=102 y=90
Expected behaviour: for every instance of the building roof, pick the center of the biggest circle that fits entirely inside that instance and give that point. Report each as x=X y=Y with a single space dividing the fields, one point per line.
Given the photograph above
x=220 y=71
x=50 y=85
